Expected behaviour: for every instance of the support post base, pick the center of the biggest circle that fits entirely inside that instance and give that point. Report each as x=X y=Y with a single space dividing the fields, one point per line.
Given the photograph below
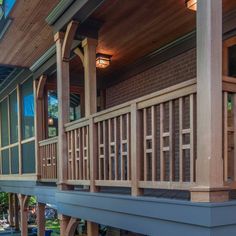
x=206 y=194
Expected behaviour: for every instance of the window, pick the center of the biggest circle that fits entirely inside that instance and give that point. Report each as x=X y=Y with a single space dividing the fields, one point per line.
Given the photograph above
x=13 y=117
x=27 y=114
x=4 y=122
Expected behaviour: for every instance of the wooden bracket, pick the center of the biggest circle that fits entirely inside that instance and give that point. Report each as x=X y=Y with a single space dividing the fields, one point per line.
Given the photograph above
x=80 y=54
x=71 y=227
x=68 y=40
x=23 y=200
x=40 y=87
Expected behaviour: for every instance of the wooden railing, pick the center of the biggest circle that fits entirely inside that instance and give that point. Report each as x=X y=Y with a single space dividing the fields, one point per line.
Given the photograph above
x=48 y=159
x=229 y=135
x=159 y=152
x=78 y=152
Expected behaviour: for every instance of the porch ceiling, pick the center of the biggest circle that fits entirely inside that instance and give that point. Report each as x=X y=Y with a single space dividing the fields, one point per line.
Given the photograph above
x=29 y=36
x=136 y=28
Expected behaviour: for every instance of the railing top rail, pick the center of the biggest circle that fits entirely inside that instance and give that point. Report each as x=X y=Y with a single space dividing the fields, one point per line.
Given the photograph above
x=229 y=84
x=181 y=89
x=77 y=124
x=48 y=141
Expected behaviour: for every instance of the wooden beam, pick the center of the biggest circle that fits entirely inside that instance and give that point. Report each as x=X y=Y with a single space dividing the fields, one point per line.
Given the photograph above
x=209 y=165
x=68 y=39
x=64 y=221
x=92 y=229
x=40 y=86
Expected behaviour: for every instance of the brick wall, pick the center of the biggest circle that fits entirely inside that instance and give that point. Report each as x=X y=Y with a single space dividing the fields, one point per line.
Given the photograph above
x=171 y=72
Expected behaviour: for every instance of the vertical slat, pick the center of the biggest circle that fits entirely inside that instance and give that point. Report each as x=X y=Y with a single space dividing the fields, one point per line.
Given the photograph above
x=128 y=145
x=99 y=151
x=234 y=125
x=87 y=152
x=105 y=150
x=171 y=140
x=76 y=154
x=109 y=149
x=72 y=154
x=154 y=158
x=162 y=167
x=145 y=143
x=116 y=149
x=81 y=155
x=84 y=157
x=225 y=107
x=121 y=149
x=180 y=139
x=192 y=160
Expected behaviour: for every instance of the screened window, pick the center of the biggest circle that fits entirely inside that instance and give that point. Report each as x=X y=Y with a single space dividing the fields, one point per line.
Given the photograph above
x=14 y=160
x=4 y=123
x=5 y=162
x=13 y=116
x=27 y=116
x=28 y=158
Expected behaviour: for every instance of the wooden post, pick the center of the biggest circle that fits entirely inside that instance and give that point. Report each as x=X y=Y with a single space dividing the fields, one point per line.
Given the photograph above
x=23 y=200
x=209 y=165
x=90 y=91
x=92 y=229
x=136 y=147
x=16 y=213
x=90 y=79
x=41 y=218
x=64 y=221
x=11 y=209
x=63 y=93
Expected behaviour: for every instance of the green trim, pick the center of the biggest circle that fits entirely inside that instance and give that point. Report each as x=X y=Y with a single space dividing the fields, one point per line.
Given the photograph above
x=46 y=56
x=58 y=11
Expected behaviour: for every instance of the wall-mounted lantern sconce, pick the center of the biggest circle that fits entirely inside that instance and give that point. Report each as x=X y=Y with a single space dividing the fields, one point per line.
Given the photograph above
x=50 y=121
x=103 y=60
x=191 y=4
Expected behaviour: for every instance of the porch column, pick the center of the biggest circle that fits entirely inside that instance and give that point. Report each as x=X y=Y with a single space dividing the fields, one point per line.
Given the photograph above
x=209 y=164
x=64 y=221
x=90 y=79
x=90 y=83
x=16 y=213
x=63 y=93
x=23 y=200
x=92 y=229
x=11 y=209
x=41 y=218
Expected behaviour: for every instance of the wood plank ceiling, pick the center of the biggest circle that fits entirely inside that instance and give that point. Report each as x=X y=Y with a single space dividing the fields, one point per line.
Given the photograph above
x=135 y=28
x=29 y=36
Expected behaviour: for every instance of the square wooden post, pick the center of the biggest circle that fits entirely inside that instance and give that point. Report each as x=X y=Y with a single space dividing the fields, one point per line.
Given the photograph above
x=23 y=200
x=16 y=213
x=209 y=164
x=11 y=209
x=90 y=80
x=63 y=93
x=41 y=218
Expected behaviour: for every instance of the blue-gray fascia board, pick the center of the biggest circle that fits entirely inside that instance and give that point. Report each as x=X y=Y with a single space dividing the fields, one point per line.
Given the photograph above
x=132 y=213
x=78 y=10
x=46 y=56
x=145 y=215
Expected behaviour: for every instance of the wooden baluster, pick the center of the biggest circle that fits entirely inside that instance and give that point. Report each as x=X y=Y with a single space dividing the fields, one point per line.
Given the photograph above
x=192 y=158
x=171 y=141
x=99 y=151
x=162 y=167
x=105 y=150
x=128 y=146
x=154 y=130
x=109 y=149
x=116 y=156
x=181 y=139
x=225 y=105
x=145 y=143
